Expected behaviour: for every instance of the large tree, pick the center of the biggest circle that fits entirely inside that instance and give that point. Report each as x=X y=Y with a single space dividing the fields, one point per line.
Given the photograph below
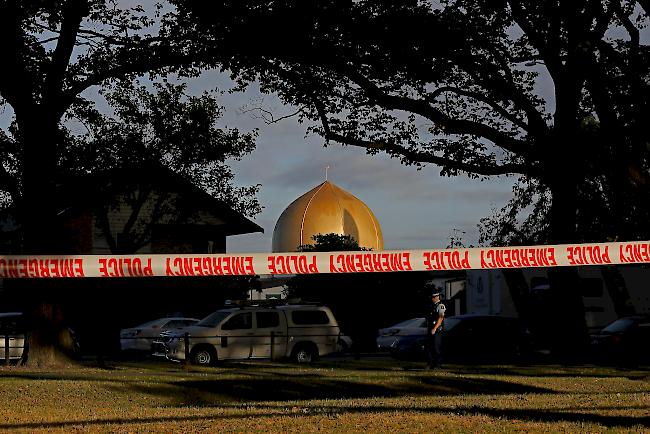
x=52 y=54
x=371 y=73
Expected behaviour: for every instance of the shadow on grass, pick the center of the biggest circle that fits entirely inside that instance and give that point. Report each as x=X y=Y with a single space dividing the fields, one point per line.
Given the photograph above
x=107 y=422
x=519 y=415
x=312 y=387
x=555 y=371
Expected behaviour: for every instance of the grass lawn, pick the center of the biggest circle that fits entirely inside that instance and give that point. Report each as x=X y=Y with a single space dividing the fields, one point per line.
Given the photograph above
x=331 y=396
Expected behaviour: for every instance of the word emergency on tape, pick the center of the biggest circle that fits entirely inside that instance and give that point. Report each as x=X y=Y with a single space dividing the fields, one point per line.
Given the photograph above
x=634 y=252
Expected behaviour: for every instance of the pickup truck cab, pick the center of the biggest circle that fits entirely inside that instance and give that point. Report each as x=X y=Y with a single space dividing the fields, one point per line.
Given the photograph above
x=300 y=332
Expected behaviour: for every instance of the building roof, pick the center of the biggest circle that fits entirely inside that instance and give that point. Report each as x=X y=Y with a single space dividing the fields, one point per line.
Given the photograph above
x=158 y=177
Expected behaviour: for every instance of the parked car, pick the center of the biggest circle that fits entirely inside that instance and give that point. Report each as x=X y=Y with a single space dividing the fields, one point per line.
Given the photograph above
x=14 y=331
x=141 y=338
x=344 y=344
x=159 y=345
x=407 y=332
x=466 y=337
x=301 y=332
x=626 y=340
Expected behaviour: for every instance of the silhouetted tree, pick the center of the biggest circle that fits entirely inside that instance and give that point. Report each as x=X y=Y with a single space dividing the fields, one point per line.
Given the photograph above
x=455 y=84
x=164 y=128
x=369 y=72
x=52 y=53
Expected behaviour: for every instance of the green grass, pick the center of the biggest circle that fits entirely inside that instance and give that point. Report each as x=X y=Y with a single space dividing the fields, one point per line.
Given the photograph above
x=366 y=395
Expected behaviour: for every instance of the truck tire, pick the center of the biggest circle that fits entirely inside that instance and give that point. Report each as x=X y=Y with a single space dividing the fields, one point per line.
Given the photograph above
x=204 y=355
x=305 y=353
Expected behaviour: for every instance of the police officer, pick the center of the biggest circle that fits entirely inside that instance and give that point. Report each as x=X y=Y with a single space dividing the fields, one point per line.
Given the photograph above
x=435 y=329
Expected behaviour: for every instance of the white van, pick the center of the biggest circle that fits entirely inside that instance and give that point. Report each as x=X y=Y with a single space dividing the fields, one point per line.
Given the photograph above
x=300 y=332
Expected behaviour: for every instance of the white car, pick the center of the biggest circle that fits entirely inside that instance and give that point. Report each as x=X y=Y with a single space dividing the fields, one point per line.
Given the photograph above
x=141 y=338
x=300 y=332
x=12 y=330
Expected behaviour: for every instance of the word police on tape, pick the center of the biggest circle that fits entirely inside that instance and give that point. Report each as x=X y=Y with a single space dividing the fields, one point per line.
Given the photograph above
x=636 y=252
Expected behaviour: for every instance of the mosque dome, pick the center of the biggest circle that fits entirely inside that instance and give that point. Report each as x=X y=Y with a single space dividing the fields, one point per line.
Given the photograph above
x=326 y=209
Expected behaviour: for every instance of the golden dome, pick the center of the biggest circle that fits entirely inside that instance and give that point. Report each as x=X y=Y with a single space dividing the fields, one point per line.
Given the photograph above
x=326 y=209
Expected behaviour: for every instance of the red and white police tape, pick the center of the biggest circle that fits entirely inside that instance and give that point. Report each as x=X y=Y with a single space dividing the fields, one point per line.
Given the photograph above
x=636 y=252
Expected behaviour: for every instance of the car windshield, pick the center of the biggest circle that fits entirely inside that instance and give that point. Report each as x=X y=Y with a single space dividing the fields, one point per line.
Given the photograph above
x=410 y=323
x=213 y=319
x=151 y=323
x=450 y=323
x=620 y=325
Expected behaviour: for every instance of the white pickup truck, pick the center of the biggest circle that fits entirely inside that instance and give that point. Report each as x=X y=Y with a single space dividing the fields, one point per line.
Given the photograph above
x=300 y=332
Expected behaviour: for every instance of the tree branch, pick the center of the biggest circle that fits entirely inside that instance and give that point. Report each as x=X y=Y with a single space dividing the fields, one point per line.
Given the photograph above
x=450 y=125
x=16 y=81
x=267 y=115
x=482 y=98
x=90 y=34
x=416 y=156
x=531 y=30
x=74 y=11
x=137 y=59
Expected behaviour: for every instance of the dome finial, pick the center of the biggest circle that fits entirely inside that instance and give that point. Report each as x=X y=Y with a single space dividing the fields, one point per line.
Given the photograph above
x=326 y=169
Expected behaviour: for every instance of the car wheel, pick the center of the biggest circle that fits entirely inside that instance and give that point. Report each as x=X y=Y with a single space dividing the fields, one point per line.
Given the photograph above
x=304 y=354
x=343 y=346
x=204 y=356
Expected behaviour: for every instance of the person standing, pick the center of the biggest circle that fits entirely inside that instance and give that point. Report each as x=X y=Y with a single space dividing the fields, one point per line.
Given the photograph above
x=435 y=328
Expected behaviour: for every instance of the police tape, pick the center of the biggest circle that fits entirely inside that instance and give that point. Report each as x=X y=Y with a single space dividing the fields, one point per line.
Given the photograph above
x=56 y=266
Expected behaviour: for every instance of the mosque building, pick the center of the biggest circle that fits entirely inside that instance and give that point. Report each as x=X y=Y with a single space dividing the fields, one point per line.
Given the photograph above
x=326 y=209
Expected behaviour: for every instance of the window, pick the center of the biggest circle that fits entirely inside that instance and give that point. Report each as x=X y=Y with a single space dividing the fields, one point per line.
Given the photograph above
x=413 y=322
x=177 y=323
x=314 y=317
x=153 y=324
x=213 y=319
x=174 y=324
x=450 y=323
x=620 y=325
x=239 y=322
x=267 y=320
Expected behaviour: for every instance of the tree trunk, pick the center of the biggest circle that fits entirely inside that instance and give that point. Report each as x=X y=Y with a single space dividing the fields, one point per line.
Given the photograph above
x=51 y=343
x=567 y=328
x=42 y=230
x=40 y=206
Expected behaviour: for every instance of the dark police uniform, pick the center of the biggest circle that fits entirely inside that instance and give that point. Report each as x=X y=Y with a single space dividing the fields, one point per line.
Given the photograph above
x=434 y=341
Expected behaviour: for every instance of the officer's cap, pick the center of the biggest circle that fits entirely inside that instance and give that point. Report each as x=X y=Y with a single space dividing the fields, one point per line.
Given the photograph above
x=437 y=292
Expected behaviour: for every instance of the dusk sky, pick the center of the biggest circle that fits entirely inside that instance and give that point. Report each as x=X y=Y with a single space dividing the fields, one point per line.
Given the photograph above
x=417 y=209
